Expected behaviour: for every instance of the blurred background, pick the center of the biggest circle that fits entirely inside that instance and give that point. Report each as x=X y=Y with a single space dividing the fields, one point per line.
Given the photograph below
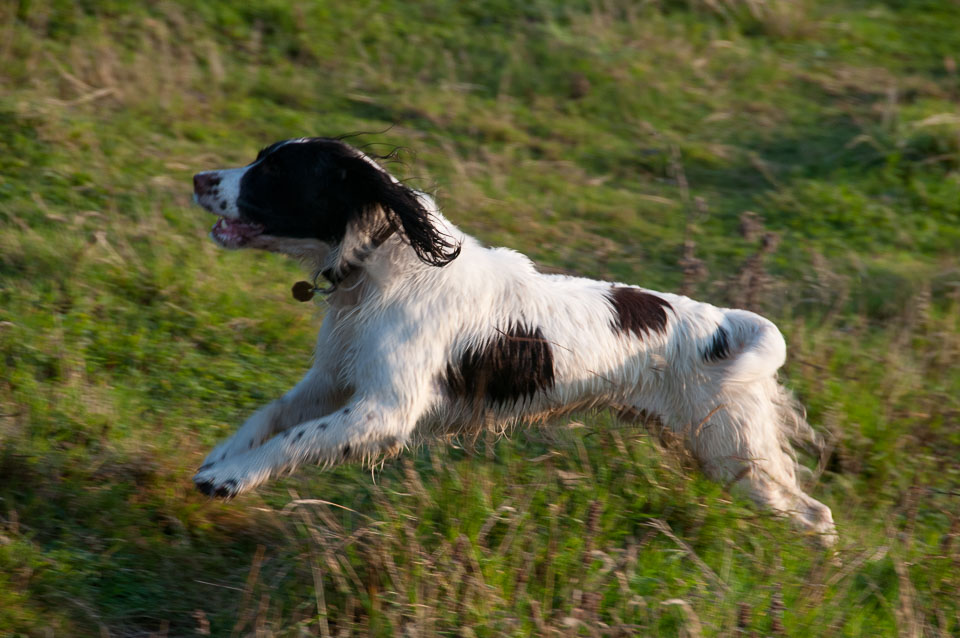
x=801 y=159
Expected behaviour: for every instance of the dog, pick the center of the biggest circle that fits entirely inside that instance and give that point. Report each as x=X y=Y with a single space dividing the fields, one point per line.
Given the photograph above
x=429 y=333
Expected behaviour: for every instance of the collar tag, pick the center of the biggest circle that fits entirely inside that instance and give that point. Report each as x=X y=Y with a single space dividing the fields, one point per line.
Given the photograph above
x=303 y=291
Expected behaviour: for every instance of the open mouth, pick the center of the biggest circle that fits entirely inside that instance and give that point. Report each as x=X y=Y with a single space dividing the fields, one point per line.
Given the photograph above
x=232 y=233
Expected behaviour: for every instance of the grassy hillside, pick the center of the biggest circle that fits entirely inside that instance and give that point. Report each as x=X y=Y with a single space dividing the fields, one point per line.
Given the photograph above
x=800 y=158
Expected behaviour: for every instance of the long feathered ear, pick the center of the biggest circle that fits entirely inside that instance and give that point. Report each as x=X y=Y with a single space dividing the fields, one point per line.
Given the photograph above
x=404 y=211
x=403 y=207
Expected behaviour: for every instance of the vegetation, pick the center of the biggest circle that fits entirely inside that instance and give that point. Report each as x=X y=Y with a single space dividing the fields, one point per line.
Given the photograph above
x=799 y=158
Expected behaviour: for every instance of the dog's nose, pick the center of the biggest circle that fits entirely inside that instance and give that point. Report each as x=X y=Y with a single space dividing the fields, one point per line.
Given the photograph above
x=203 y=182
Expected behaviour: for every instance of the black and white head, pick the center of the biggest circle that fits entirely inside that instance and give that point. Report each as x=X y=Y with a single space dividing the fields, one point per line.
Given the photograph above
x=315 y=198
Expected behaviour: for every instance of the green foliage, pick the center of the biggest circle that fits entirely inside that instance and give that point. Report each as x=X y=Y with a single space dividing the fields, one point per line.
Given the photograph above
x=615 y=139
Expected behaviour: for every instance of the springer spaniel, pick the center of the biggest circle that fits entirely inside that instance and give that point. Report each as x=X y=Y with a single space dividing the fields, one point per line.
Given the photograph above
x=430 y=333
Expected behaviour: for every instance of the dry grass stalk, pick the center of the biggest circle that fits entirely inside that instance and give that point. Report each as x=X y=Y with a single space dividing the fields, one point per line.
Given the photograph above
x=548 y=588
x=662 y=526
x=537 y=616
x=246 y=615
x=743 y=618
x=694 y=269
x=592 y=527
x=695 y=210
x=693 y=628
x=776 y=613
x=753 y=281
x=905 y=611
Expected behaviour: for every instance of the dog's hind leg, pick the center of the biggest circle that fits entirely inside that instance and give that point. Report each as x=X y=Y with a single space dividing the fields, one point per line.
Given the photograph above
x=807 y=513
x=753 y=460
x=743 y=441
x=739 y=424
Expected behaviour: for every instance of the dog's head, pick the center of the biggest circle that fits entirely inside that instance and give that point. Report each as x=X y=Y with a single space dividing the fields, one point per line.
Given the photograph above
x=312 y=195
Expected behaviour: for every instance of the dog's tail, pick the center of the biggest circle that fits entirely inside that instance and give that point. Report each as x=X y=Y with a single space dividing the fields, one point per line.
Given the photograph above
x=793 y=426
x=756 y=345
x=758 y=350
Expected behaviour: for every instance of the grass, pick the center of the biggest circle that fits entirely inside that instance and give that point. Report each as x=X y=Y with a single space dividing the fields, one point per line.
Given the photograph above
x=614 y=139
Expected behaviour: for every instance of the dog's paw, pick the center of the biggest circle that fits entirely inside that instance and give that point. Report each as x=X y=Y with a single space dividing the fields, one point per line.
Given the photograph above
x=225 y=451
x=217 y=484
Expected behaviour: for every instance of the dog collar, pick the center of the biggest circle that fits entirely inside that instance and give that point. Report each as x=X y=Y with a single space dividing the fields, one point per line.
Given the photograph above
x=304 y=290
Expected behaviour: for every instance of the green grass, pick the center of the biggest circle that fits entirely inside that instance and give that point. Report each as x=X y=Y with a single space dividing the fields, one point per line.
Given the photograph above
x=598 y=137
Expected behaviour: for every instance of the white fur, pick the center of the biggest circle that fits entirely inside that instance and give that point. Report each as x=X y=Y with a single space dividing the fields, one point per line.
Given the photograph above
x=395 y=324
x=223 y=197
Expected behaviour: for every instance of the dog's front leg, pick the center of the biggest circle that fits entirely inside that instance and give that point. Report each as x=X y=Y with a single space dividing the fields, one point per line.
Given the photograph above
x=314 y=396
x=363 y=429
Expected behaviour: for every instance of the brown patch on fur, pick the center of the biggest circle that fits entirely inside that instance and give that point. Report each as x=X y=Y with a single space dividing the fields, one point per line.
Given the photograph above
x=638 y=312
x=514 y=365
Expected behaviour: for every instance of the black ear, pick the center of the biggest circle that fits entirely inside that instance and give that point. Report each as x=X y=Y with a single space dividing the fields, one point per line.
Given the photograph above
x=404 y=211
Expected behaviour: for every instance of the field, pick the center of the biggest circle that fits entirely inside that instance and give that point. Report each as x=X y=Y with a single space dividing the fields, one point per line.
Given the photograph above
x=801 y=159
